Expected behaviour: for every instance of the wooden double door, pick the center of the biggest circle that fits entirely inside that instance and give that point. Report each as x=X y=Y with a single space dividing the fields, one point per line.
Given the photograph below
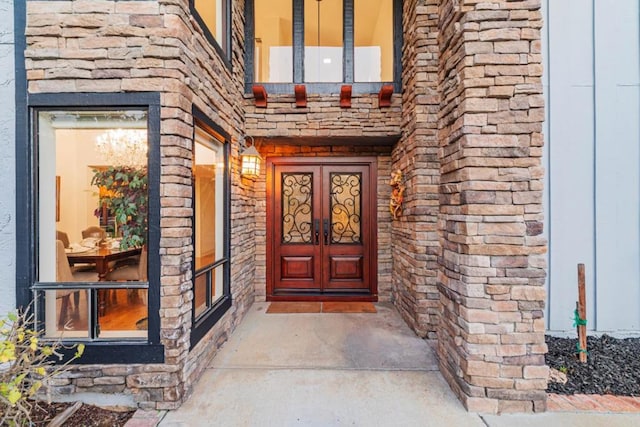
x=321 y=229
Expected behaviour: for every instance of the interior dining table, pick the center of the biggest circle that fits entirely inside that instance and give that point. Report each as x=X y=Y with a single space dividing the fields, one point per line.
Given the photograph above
x=102 y=257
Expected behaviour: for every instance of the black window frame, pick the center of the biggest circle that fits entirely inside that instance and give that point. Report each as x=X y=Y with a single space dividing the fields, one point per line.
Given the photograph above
x=206 y=320
x=223 y=47
x=102 y=350
x=298 y=53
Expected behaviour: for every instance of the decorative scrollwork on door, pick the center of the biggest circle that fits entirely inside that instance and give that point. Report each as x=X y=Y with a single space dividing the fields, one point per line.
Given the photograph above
x=297 y=192
x=346 y=207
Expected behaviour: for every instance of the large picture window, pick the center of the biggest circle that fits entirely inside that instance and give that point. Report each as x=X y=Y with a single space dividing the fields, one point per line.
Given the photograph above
x=215 y=19
x=92 y=198
x=273 y=43
x=373 y=40
x=87 y=209
x=323 y=43
x=210 y=177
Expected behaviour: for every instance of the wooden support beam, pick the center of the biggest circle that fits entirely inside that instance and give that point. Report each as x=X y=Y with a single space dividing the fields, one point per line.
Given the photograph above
x=582 y=315
x=384 y=97
x=345 y=96
x=301 y=95
x=260 y=95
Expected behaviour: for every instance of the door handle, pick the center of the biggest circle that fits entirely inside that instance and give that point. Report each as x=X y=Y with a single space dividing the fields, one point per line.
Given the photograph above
x=325 y=230
x=316 y=228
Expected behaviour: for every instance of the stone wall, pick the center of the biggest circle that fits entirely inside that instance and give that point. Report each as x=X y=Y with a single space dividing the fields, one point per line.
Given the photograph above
x=492 y=269
x=122 y=46
x=7 y=153
x=465 y=261
x=415 y=239
x=278 y=127
x=323 y=117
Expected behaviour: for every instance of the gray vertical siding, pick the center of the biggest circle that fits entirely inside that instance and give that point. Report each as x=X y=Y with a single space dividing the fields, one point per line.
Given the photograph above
x=593 y=160
x=7 y=160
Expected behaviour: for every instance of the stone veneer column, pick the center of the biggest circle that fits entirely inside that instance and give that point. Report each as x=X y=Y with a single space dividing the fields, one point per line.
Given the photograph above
x=414 y=235
x=492 y=269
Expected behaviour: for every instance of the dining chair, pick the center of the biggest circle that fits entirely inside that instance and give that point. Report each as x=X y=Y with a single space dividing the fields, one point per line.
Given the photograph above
x=132 y=272
x=63 y=237
x=98 y=233
x=64 y=273
x=94 y=231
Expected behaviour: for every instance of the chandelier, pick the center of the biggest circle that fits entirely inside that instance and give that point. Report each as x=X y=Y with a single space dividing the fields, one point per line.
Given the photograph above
x=123 y=147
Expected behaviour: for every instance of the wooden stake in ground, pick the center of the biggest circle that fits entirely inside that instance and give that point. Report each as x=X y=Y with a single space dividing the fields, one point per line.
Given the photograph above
x=581 y=316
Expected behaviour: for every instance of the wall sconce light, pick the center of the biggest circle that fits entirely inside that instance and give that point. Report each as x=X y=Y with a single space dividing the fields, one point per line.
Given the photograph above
x=250 y=158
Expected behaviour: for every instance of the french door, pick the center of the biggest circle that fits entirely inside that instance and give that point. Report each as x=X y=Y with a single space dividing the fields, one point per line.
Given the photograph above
x=321 y=228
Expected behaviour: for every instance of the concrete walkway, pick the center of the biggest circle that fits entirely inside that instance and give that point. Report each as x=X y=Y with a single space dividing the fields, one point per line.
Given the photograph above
x=337 y=369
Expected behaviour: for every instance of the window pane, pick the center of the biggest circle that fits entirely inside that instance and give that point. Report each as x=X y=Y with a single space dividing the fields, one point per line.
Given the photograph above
x=66 y=313
x=87 y=230
x=323 y=41
x=212 y=13
x=200 y=293
x=208 y=172
x=373 y=40
x=85 y=221
x=217 y=280
x=273 y=53
x=122 y=313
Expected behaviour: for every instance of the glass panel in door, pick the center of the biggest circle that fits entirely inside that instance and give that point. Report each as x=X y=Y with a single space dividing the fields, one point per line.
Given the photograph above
x=297 y=191
x=346 y=207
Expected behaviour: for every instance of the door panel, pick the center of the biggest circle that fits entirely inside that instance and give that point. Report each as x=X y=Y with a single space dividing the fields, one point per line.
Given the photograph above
x=343 y=203
x=297 y=248
x=346 y=267
x=321 y=228
x=297 y=267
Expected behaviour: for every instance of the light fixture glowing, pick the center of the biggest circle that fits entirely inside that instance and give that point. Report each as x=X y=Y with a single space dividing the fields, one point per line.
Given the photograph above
x=251 y=159
x=123 y=147
x=327 y=60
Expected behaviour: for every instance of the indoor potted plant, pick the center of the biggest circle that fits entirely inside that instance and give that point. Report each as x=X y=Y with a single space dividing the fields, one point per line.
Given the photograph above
x=128 y=200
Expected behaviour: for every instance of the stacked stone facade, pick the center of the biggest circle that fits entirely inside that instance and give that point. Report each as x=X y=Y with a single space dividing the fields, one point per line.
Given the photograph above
x=465 y=261
x=324 y=118
x=415 y=238
x=122 y=46
x=492 y=268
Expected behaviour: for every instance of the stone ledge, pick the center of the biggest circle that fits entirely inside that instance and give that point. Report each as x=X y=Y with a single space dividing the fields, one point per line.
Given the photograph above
x=143 y=418
x=592 y=403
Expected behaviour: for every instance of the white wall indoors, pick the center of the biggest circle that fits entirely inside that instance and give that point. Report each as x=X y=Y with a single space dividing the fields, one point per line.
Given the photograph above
x=592 y=77
x=7 y=154
x=75 y=157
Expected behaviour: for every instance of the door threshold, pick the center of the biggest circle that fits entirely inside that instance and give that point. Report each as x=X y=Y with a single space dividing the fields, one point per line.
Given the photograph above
x=322 y=298
x=287 y=307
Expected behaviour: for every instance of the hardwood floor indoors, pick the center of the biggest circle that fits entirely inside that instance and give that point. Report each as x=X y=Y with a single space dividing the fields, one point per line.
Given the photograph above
x=127 y=312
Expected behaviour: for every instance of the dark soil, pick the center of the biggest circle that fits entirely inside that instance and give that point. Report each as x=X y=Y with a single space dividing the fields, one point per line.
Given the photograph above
x=613 y=366
x=86 y=416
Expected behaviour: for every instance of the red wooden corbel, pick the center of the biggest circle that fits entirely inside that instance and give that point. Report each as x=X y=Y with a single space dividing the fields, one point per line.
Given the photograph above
x=345 y=96
x=384 y=97
x=301 y=95
x=260 y=95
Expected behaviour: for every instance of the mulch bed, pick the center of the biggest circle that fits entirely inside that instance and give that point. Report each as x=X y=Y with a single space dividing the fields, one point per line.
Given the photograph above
x=86 y=416
x=613 y=366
